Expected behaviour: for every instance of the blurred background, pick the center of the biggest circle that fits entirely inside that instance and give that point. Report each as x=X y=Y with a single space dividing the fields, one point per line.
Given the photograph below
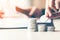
x=24 y=34
x=39 y=3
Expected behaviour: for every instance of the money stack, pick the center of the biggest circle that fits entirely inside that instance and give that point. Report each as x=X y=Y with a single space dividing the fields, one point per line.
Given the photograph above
x=42 y=24
x=32 y=24
x=41 y=27
x=50 y=29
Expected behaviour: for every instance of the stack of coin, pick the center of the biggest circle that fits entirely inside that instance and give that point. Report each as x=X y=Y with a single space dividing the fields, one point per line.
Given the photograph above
x=32 y=24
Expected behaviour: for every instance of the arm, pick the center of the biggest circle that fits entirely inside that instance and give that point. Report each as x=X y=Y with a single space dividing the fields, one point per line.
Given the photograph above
x=20 y=10
x=24 y=11
x=30 y=10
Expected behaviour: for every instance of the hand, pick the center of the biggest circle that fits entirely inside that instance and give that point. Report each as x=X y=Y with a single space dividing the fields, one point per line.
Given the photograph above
x=50 y=4
x=31 y=12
